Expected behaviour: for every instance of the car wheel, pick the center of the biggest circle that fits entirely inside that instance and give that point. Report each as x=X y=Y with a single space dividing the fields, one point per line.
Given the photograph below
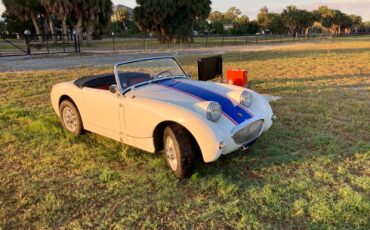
x=179 y=150
x=70 y=117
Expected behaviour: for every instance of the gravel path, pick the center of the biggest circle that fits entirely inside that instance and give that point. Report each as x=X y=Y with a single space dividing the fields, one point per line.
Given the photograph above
x=63 y=61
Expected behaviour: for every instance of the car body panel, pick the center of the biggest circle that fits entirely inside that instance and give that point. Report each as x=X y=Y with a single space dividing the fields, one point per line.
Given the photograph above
x=102 y=112
x=98 y=108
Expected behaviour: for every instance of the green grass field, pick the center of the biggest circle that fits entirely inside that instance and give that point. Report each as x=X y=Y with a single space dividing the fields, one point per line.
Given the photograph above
x=149 y=43
x=311 y=170
x=152 y=43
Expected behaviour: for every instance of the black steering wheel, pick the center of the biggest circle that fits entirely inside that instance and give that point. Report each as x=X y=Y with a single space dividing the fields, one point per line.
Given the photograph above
x=164 y=72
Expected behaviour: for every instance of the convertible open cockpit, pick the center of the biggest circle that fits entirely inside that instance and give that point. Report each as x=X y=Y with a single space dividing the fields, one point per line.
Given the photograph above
x=104 y=81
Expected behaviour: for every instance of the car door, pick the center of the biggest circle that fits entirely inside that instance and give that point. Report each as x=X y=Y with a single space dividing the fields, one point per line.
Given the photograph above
x=103 y=112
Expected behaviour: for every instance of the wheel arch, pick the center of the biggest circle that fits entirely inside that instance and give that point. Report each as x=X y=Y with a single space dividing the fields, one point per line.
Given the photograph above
x=159 y=132
x=65 y=97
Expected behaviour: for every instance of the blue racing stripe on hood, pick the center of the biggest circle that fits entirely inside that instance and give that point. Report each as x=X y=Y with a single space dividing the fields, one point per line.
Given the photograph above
x=234 y=112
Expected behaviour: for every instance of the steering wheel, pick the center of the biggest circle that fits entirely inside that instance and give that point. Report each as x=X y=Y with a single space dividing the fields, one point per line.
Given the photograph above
x=169 y=74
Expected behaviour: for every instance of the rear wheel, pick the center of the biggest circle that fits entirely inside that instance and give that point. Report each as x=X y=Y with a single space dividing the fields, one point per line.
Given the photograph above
x=70 y=117
x=179 y=150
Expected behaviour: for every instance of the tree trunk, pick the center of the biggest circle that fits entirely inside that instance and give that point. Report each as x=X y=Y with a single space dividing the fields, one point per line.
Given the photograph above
x=78 y=27
x=162 y=36
x=37 y=28
x=64 y=28
x=52 y=29
x=306 y=31
x=90 y=27
x=45 y=25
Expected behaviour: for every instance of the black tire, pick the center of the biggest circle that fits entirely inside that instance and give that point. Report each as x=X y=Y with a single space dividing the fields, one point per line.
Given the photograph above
x=73 y=122
x=183 y=148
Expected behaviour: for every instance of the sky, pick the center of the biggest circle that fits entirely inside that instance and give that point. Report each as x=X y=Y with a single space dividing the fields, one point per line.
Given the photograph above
x=250 y=8
x=2 y=8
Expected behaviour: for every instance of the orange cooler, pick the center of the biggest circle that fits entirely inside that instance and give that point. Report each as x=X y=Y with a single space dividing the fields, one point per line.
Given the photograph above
x=237 y=77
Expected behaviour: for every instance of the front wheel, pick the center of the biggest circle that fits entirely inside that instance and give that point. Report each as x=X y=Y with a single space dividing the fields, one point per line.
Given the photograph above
x=179 y=150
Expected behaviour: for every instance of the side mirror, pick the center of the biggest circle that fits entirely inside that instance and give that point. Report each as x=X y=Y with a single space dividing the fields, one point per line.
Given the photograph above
x=113 y=88
x=133 y=91
x=188 y=75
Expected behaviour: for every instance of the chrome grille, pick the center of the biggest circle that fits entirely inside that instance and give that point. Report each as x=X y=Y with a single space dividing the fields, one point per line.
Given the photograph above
x=248 y=133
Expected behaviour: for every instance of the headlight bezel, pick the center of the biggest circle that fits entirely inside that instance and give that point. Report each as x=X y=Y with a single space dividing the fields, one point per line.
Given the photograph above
x=214 y=111
x=246 y=98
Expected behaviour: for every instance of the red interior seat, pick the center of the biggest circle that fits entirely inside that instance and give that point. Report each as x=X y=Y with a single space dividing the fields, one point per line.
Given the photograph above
x=103 y=87
x=137 y=80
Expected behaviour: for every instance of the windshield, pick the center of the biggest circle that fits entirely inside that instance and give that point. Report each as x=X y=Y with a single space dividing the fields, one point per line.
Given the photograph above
x=139 y=72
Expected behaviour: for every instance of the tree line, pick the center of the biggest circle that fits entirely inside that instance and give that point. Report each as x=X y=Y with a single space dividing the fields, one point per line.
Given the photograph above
x=43 y=15
x=291 y=20
x=171 y=21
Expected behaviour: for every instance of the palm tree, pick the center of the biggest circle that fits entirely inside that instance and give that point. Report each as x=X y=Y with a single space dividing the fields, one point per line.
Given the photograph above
x=25 y=10
x=63 y=10
x=122 y=16
x=97 y=11
x=49 y=11
x=78 y=11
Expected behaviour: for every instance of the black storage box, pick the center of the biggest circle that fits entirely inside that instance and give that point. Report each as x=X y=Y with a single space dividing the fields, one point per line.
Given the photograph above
x=209 y=68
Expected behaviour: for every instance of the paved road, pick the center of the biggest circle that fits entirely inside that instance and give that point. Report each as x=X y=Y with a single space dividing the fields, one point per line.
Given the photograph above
x=64 y=61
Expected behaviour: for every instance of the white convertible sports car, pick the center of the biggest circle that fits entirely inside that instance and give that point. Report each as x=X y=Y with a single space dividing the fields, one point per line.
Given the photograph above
x=151 y=104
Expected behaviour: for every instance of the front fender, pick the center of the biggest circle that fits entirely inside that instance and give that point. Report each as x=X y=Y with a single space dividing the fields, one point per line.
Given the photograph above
x=143 y=115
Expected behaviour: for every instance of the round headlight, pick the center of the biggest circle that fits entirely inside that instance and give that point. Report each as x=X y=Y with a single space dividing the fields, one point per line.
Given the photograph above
x=246 y=98
x=214 y=111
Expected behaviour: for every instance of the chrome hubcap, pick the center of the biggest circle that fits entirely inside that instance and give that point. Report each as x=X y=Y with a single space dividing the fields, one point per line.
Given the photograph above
x=70 y=119
x=171 y=153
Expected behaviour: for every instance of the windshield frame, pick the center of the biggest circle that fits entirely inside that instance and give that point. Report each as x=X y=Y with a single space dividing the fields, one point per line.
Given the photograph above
x=123 y=91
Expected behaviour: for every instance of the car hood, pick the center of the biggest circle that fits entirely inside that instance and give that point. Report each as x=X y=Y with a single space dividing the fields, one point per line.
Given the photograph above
x=187 y=93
